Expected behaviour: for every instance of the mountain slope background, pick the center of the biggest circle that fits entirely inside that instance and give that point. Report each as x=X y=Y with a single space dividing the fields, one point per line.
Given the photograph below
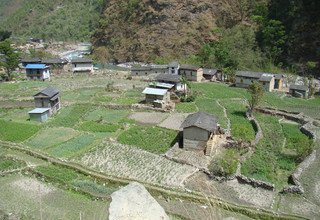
x=51 y=19
x=230 y=34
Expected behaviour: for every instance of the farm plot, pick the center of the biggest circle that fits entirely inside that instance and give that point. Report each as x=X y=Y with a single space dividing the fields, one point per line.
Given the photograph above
x=271 y=160
x=186 y=107
x=16 y=132
x=174 y=121
x=130 y=162
x=51 y=136
x=106 y=115
x=148 y=117
x=73 y=147
x=71 y=115
x=241 y=128
x=31 y=199
x=152 y=139
x=7 y=164
x=19 y=115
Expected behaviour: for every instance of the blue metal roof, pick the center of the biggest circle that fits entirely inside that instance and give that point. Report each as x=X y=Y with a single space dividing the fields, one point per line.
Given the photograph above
x=36 y=66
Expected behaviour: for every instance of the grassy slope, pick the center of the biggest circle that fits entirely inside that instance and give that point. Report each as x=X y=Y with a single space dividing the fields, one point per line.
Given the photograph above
x=56 y=19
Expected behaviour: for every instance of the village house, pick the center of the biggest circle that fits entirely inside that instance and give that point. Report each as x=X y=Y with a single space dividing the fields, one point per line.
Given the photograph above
x=269 y=81
x=159 y=98
x=148 y=70
x=170 y=79
x=82 y=65
x=173 y=68
x=48 y=98
x=56 y=64
x=37 y=71
x=199 y=129
x=300 y=91
x=191 y=73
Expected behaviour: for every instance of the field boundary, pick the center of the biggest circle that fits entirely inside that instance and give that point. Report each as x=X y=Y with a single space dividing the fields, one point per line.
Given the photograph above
x=192 y=196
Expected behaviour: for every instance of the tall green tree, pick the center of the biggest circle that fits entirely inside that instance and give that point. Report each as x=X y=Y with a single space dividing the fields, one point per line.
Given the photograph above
x=9 y=58
x=256 y=92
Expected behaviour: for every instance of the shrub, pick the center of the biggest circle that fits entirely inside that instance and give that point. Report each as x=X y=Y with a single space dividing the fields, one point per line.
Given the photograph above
x=225 y=165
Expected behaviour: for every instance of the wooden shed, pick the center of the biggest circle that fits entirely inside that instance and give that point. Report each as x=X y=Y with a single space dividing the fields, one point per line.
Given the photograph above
x=48 y=98
x=197 y=130
x=39 y=114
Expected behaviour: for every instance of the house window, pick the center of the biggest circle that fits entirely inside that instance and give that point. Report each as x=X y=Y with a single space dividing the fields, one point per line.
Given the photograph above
x=264 y=83
x=251 y=81
x=173 y=71
x=241 y=80
x=146 y=73
x=136 y=73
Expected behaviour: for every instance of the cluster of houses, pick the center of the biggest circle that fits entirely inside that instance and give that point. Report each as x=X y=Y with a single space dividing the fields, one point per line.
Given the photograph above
x=40 y=68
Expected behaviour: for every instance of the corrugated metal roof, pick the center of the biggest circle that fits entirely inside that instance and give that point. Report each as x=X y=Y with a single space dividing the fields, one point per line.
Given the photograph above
x=188 y=67
x=162 y=85
x=210 y=72
x=36 y=66
x=39 y=110
x=153 y=91
x=81 y=60
x=266 y=77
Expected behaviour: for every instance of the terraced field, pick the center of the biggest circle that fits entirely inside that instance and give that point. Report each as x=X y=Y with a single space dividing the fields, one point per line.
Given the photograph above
x=133 y=163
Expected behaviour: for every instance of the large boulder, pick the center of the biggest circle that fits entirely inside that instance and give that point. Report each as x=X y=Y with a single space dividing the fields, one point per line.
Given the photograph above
x=134 y=202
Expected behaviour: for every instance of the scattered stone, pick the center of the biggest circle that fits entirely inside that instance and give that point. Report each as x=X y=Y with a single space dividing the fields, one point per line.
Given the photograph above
x=134 y=202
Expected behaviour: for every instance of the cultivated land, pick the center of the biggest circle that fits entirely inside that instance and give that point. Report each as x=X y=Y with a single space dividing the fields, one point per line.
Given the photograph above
x=98 y=131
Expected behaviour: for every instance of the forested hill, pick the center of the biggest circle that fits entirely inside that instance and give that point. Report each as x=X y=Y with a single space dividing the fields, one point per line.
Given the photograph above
x=232 y=34
x=51 y=19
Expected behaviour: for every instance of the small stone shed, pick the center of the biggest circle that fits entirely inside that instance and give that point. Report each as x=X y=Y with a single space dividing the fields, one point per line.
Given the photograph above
x=48 y=98
x=191 y=73
x=300 y=91
x=198 y=128
x=159 y=98
x=37 y=71
x=39 y=114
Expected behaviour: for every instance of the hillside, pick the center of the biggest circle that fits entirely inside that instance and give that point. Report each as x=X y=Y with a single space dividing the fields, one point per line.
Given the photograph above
x=50 y=19
x=146 y=30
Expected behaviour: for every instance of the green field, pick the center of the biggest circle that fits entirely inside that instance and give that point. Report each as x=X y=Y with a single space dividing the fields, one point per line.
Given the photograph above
x=16 y=132
x=152 y=139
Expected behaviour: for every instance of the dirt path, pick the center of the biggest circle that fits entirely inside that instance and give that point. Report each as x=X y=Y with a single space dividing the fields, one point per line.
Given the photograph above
x=226 y=116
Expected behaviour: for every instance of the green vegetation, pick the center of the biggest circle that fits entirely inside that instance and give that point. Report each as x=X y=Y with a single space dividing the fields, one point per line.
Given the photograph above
x=271 y=161
x=98 y=127
x=256 y=95
x=297 y=141
x=226 y=164
x=69 y=117
x=73 y=147
x=186 y=107
x=241 y=128
x=16 y=132
x=7 y=164
x=47 y=19
x=152 y=139
x=106 y=115
x=9 y=59
x=50 y=137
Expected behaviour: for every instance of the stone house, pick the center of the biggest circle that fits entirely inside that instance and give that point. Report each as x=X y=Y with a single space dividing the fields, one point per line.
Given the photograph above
x=159 y=98
x=48 y=98
x=173 y=68
x=198 y=129
x=37 y=71
x=82 y=65
x=174 y=80
x=212 y=74
x=300 y=91
x=269 y=81
x=191 y=73
x=56 y=64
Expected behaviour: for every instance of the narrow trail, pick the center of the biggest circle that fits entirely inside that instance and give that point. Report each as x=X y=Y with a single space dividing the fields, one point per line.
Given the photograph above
x=228 y=133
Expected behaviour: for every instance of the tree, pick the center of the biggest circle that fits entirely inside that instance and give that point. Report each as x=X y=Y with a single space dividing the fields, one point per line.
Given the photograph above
x=4 y=35
x=256 y=92
x=9 y=59
x=186 y=85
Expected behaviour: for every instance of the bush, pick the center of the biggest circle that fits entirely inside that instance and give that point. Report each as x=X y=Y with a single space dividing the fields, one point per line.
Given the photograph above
x=226 y=165
x=190 y=98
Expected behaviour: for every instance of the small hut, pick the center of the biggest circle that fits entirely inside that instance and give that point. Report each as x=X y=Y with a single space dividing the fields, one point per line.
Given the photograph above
x=39 y=114
x=48 y=98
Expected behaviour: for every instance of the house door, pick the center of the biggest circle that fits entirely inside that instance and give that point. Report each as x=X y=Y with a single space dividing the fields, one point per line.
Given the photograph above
x=276 y=84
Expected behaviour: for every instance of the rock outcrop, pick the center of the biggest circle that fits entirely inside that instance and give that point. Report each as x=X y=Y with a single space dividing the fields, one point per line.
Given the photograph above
x=134 y=202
